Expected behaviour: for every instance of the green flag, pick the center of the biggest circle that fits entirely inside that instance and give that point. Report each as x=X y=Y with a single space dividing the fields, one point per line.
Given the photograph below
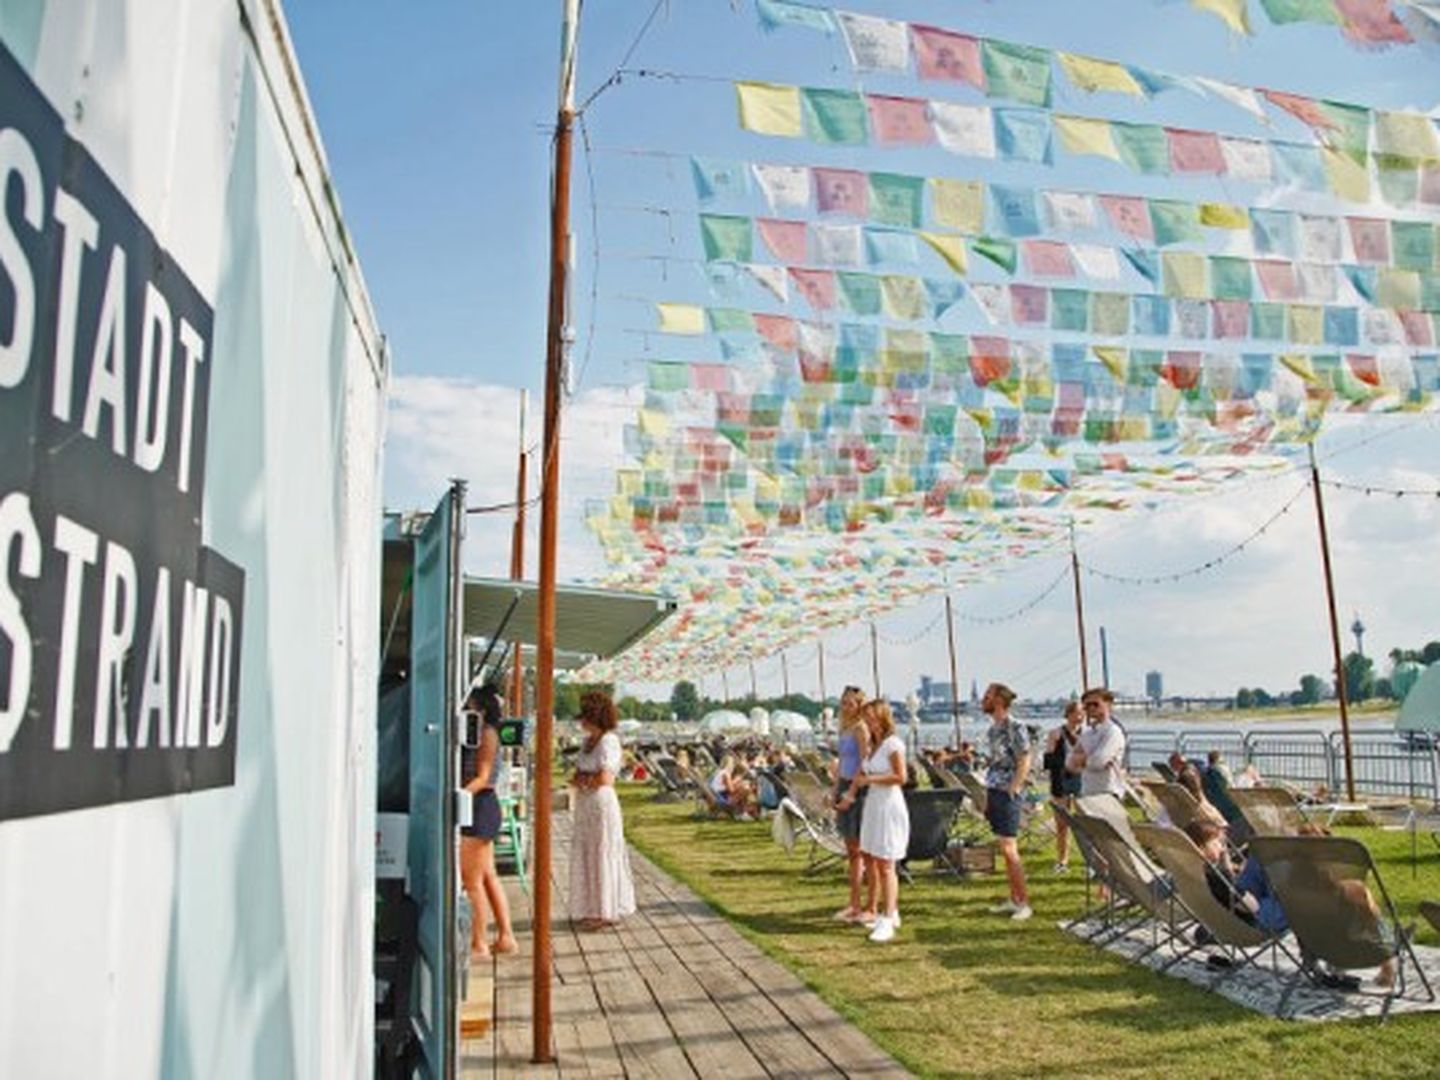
x=1070 y=310
x=1174 y=222
x=1016 y=72
x=861 y=292
x=1413 y=243
x=1267 y=321
x=896 y=199
x=835 y=116
x=727 y=237
x=1110 y=313
x=1143 y=147
x=1000 y=252
x=668 y=375
x=1230 y=278
x=1311 y=11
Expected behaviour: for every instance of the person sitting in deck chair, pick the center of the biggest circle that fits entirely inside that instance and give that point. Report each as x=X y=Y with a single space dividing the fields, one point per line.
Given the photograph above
x=1205 y=810
x=1247 y=893
x=731 y=789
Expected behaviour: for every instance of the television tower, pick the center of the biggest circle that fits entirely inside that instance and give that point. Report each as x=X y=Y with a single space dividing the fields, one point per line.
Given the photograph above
x=1358 y=629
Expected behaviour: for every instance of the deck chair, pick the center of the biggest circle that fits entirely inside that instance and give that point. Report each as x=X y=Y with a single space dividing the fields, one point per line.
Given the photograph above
x=1269 y=811
x=1316 y=879
x=1187 y=869
x=791 y=825
x=1134 y=878
x=811 y=796
x=1089 y=854
x=1167 y=774
x=1179 y=805
x=1033 y=830
x=1430 y=912
x=940 y=777
x=932 y=813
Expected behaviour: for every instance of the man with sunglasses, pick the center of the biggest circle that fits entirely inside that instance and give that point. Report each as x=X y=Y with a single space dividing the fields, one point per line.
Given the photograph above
x=1099 y=754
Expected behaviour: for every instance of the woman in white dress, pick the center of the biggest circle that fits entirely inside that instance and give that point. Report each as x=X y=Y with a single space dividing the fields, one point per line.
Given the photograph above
x=600 y=888
x=885 y=827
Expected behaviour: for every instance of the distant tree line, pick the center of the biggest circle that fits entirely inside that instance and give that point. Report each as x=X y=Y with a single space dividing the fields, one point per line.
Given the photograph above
x=1361 y=681
x=685 y=703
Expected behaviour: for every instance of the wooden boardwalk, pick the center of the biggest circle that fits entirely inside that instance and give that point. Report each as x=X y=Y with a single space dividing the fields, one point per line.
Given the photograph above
x=674 y=992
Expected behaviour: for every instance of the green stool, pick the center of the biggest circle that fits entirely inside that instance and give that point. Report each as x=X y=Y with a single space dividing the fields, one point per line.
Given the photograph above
x=511 y=841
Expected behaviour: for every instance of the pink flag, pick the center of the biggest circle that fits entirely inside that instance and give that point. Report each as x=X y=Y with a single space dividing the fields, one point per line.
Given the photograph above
x=817 y=286
x=942 y=54
x=1048 y=258
x=1195 y=151
x=785 y=239
x=989 y=359
x=1130 y=215
x=1181 y=369
x=1230 y=318
x=1030 y=304
x=1277 y=279
x=1364 y=368
x=709 y=377
x=814 y=369
x=842 y=191
x=1430 y=185
x=1372 y=22
x=732 y=408
x=1304 y=109
x=1070 y=398
x=1370 y=237
x=1418 y=329
x=899 y=120
x=778 y=330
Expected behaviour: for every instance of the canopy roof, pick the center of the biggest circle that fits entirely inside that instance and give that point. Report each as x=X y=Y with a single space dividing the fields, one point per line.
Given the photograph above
x=589 y=622
x=1421 y=709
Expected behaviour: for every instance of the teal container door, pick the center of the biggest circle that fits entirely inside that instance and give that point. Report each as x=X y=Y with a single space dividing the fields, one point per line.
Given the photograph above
x=434 y=700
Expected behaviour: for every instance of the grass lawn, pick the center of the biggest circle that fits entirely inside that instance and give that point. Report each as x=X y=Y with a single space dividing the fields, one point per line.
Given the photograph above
x=964 y=993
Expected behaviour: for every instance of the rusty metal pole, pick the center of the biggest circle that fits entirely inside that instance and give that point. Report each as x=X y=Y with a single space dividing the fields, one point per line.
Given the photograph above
x=785 y=673
x=1079 y=612
x=542 y=1047
x=517 y=563
x=875 y=657
x=954 y=669
x=820 y=656
x=1341 y=692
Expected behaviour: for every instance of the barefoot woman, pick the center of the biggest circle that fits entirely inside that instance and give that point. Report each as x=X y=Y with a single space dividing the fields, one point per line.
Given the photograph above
x=600 y=888
x=477 y=840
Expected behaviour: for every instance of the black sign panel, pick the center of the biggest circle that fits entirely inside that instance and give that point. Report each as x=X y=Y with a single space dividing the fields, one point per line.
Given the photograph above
x=119 y=630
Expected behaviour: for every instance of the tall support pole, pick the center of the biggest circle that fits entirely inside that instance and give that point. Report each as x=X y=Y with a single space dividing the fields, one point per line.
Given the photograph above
x=1340 y=689
x=954 y=668
x=1079 y=612
x=725 y=685
x=785 y=673
x=754 y=690
x=820 y=659
x=875 y=657
x=1104 y=659
x=542 y=1043
x=517 y=562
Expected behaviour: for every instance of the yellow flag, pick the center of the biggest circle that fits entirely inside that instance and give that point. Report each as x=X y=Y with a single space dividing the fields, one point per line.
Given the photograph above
x=1406 y=134
x=769 y=108
x=949 y=248
x=1232 y=13
x=1115 y=359
x=903 y=297
x=958 y=204
x=628 y=482
x=766 y=488
x=1348 y=178
x=1085 y=135
x=1167 y=400
x=1224 y=216
x=1307 y=324
x=681 y=318
x=978 y=499
x=654 y=423
x=1398 y=289
x=1299 y=363
x=1087 y=73
x=1132 y=428
x=1184 y=274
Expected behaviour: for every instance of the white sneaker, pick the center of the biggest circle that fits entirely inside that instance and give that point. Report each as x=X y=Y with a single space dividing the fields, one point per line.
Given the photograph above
x=1021 y=913
x=1009 y=907
x=884 y=929
x=1062 y=868
x=896 y=920
x=868 y=920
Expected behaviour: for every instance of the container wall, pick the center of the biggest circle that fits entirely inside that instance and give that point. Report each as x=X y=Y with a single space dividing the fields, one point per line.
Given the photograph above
x=187 y=804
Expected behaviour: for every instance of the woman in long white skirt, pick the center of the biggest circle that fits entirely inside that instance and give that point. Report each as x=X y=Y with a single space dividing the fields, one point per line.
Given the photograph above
x=601 y=891
x=885 y=826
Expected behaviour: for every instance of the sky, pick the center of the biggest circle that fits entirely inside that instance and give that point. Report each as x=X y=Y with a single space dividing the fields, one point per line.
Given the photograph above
x=435 y=118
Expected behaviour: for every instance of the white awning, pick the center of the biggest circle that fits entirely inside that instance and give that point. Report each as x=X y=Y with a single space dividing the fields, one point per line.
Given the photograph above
x=589 y=622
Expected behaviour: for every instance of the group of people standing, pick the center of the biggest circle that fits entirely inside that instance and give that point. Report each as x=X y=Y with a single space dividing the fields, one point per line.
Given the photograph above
x=871 y=773
x=1084 y=756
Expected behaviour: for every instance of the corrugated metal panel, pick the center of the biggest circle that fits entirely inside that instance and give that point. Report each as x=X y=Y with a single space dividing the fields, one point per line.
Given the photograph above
x=592 y=622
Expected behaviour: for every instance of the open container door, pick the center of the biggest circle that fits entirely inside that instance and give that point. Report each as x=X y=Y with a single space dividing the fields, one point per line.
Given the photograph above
x=435 y=692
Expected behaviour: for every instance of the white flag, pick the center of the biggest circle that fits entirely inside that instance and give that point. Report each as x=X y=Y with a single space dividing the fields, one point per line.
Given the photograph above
x=836 y=245
x=1097 y=261
x=773 y=278
x=964 y=129
x=786 y=187
x=876 y=44
x=1319 y=238
x=1070 y=210
x=1246 y=159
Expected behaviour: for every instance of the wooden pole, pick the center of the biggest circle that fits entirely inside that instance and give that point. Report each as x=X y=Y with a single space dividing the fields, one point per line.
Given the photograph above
x=820 y=657
x=1079 y=612
x=785 y=674
x=542 y=1049
x=754 y=692
x=517 y=563
x=725 y=683
x=875 y=657
x=954 y=669
x=1340 y=689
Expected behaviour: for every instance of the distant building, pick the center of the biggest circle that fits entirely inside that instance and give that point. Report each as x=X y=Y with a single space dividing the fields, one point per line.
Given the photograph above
x=1154 y=685
x=935 y=693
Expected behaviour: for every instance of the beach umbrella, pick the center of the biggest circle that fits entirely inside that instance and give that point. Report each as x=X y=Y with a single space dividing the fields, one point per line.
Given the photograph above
x=785 y=722
x=722 y=720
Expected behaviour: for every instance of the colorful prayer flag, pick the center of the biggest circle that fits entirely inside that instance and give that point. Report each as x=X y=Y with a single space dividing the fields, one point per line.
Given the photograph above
x=875 y=44
x=1016 y=72
x=769 y=108
x=943 y=54
x=968 y=130
x=958 y=204
x=835 y=116
x=1088 y=74
x=899 y=121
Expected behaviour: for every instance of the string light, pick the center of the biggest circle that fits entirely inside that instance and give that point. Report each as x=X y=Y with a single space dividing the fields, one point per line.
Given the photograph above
x=1380 y=489
x=1025 y=608
x=1208 y=564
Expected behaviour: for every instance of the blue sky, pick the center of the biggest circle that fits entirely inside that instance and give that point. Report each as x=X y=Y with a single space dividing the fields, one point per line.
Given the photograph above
x=435 y=119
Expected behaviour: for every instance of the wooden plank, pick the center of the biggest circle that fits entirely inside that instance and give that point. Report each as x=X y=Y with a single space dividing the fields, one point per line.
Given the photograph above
x=643 y=1037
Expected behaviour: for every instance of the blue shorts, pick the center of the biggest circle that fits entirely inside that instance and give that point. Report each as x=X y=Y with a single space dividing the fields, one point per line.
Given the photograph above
x=1002 y=811
x=848 y=821
x=484 y=816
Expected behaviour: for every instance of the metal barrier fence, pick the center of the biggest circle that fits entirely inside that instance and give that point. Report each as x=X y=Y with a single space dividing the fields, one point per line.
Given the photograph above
x=1383 y=764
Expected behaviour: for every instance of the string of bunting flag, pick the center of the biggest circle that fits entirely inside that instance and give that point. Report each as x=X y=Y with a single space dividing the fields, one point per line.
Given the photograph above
x=1381 y=489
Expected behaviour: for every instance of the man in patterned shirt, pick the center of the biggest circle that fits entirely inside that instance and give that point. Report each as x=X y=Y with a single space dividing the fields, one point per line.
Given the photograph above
x=1009 y=764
